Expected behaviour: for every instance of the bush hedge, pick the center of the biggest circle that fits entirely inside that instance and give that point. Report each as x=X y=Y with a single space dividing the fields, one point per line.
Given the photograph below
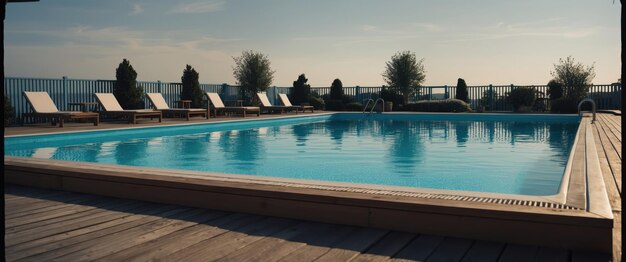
x=354 y=106
x=8 y=111
x=521 y=96
x=565 y=105
x=447 y=105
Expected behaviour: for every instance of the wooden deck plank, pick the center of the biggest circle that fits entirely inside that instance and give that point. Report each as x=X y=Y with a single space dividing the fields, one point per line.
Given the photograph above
x=419 y=249
x=23 y=210
x=144 y=224
x=451 y=249
x=614 y=160
x=609 y=178
x=239 y=235
x=34 y=233
x=611 y=138
x=185 y=238
x=72 y=214
x=484 y=251
x=278 y=245
x=547 y=254
x=353 y=245
x=315 y=249
x=518 y=253
x=44 y=248
x=387 y=247
x=127 y=239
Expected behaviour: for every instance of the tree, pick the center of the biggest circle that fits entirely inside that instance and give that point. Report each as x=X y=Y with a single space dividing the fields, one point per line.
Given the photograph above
x=301 y=90
x=253 y=73
x=575 y=77
x=404 y=73
x=336 y=90
x=555 y=89
x=191 y=87
x=461 y=90
x=128 y=94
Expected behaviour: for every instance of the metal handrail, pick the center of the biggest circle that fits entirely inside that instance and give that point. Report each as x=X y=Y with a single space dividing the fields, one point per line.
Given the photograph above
x=382 y=106
x=366 y=104
x=593 y=108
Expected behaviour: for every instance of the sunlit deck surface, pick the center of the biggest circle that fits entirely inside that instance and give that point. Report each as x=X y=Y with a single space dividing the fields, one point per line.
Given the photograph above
x=44 y=225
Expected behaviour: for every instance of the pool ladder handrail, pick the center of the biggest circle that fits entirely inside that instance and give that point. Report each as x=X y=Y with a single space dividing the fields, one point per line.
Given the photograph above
x=593 y=108
x=374 y=106
x=367 y=104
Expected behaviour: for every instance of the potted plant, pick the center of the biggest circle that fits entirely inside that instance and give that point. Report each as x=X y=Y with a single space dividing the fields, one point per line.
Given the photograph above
x=388 y=106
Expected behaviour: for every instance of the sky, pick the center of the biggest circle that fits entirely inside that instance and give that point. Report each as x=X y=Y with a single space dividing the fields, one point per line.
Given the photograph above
x=482 y=41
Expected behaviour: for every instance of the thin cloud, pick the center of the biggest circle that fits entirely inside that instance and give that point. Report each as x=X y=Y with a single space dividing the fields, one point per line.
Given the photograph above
x=198 y=8
x=137 y=9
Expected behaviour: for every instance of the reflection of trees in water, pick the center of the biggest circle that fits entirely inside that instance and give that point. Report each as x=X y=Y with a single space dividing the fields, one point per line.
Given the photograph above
x=561 y=137
x=243 y=147
x=302 y=132
x=462 y=132
x=339 y=128
x=406 y=149
x=191 y=147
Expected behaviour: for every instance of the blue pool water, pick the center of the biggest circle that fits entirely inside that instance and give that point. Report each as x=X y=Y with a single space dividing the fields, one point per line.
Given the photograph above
x=487 y=153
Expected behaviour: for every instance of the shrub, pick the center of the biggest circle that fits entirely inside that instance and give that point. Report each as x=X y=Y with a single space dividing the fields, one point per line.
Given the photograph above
x=354 y=106
x=555 y=89
x=301 y=91
x=253 y=73
x=191 y=87
x=334 y=105
x=128 y=94
x=390 y=95
x=447 y=105
x=317 y=102
x=564 y=105
x=521 y=96
x=404 y=73
x=8 y=111
x=336 y=90
x=461 y=91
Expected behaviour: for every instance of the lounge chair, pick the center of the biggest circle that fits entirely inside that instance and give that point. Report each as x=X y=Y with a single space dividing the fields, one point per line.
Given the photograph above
x=285 y=100
x=218 y=106
x=43 y=107
x=159 y=104
x=265 y=104
x=109 y=104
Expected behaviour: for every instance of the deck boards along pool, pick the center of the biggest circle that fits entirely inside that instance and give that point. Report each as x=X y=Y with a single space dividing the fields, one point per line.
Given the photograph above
x=520 y=154
x=492 y=217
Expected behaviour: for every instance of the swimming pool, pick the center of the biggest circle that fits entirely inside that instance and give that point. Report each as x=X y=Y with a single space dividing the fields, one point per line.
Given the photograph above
x=510 y=154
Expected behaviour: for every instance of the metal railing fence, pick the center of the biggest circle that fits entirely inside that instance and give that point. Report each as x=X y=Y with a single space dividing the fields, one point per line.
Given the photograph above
x=65 y=90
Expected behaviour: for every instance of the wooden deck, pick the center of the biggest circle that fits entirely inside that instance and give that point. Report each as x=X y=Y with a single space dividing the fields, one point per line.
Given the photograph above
x=608 y=137
x=42 y=225
x=46 y=225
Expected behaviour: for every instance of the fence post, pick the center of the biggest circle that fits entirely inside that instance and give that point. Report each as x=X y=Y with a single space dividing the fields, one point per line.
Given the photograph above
x=490 y=97
x=64 y=86
x=430 y=93
x=357 y=93
x=159 y=86
x=446 y=95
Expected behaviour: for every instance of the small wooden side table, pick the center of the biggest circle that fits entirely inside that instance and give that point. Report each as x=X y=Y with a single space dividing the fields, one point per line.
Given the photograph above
x=82 y=105
x=184 y=103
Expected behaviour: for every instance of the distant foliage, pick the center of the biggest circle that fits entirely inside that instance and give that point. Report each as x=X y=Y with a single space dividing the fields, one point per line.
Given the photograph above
x=126 y=90
x=555 y=89
x=8 y=111
x=522 y=96
x=404 y=73
x=301 y=91
x=461 y=90
x=191 y=87
x=253 y=73
x=447 y=105
x=575 y=77
x=336 y=90
x=487 y=97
